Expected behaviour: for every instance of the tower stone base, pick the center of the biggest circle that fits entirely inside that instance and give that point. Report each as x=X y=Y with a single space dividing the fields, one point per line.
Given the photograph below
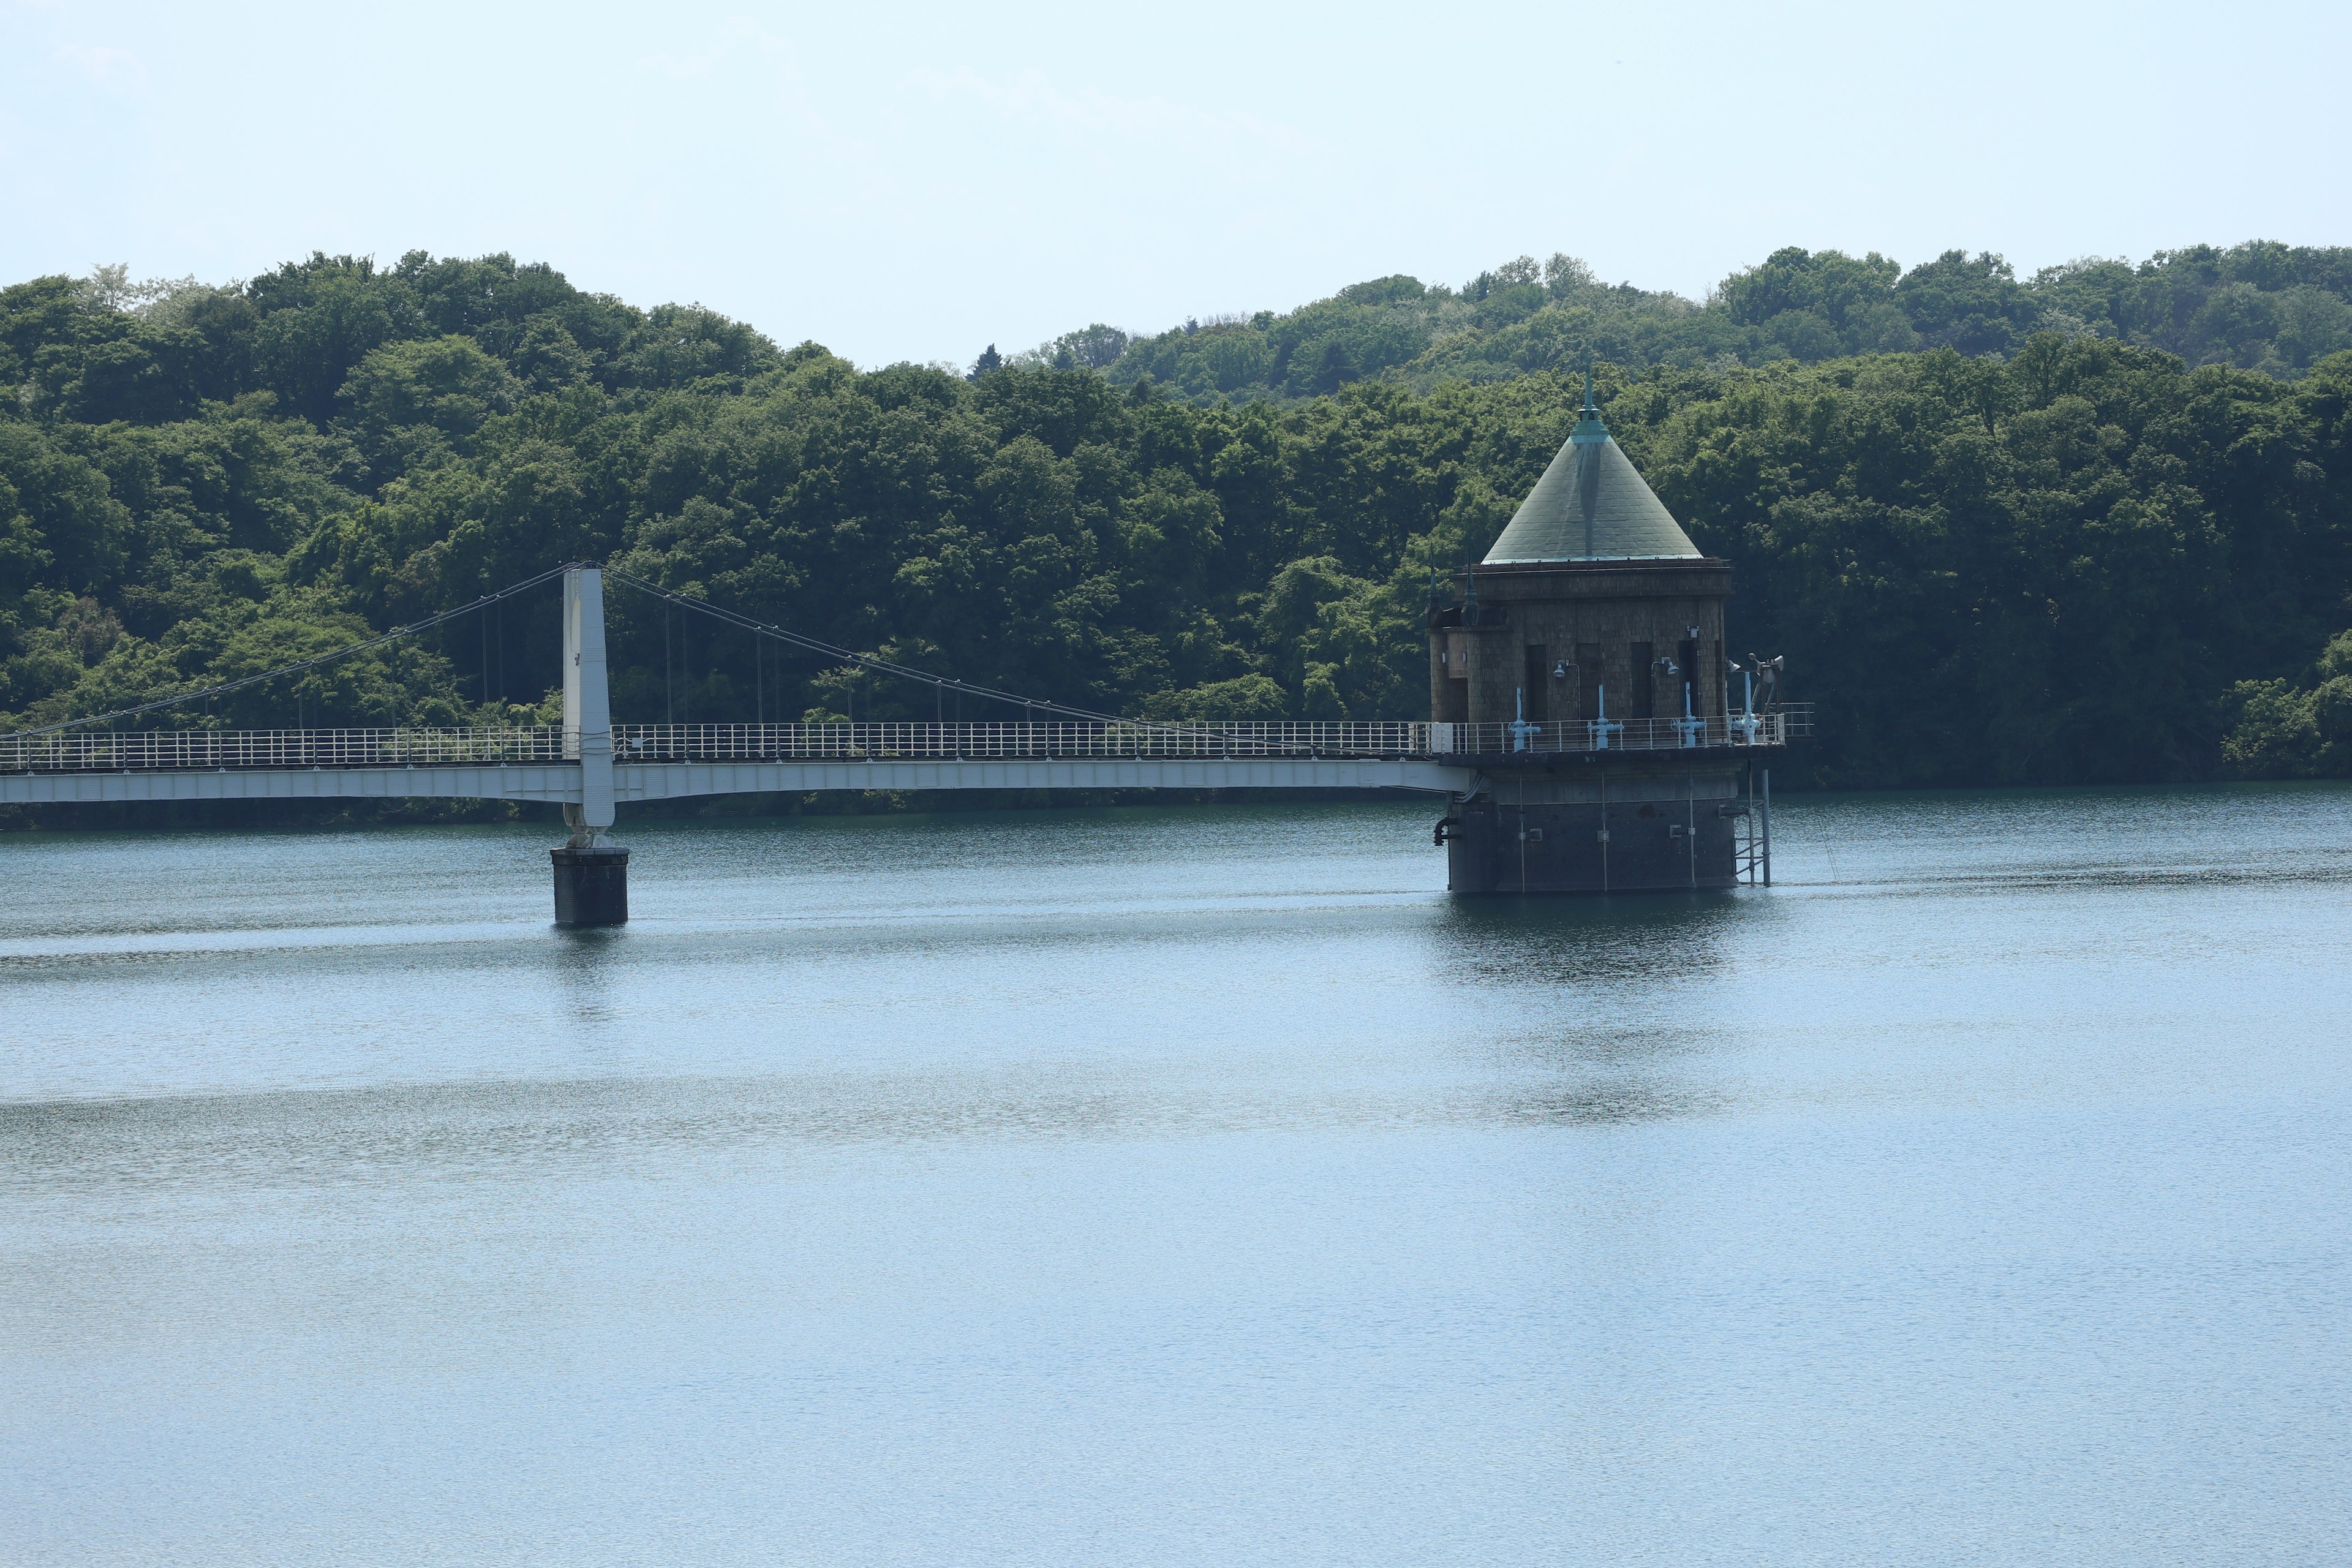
x=591 y=885
x=1594 y=827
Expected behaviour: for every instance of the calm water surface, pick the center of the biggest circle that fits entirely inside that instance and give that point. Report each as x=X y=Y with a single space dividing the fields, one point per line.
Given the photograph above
x=1188 y=1187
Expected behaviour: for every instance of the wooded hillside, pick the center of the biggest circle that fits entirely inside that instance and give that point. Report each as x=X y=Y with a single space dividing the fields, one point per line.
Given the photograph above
x=2054 y=554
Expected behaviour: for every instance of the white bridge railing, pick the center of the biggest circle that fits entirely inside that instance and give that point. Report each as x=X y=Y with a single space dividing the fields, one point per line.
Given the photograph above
x=204 y=750
x=146 y=750
x=989 y=742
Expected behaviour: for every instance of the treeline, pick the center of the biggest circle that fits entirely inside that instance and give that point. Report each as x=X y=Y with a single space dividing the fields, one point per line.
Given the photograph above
x=2086 y=561
x=2261 y=305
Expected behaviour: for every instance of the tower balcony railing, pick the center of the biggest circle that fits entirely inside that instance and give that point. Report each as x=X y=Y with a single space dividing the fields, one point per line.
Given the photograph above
x=1740 y=730
x=212 y=750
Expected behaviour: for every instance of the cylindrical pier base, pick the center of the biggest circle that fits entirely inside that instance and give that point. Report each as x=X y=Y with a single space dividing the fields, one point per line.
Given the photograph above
x=591 y=885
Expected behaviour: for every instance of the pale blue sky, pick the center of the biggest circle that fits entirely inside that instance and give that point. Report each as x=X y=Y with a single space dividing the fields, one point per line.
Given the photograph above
x=912 y=182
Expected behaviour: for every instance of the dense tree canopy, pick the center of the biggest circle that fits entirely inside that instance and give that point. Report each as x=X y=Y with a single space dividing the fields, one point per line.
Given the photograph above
x=2259 y=306
x=1994 y=545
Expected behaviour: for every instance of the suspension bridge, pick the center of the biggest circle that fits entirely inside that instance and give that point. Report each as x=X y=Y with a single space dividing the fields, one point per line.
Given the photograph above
x=590 y=766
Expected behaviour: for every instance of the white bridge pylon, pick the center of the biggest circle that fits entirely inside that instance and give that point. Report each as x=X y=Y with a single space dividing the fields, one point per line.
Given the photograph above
x=587 y=706
x=589 y=768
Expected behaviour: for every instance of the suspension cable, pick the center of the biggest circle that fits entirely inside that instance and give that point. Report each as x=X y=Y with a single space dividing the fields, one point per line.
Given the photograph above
x=940 y=684
x=880 y=665
x=209 y=692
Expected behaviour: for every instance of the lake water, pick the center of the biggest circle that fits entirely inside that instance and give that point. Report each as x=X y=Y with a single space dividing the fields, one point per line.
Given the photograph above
x=1186 y=1186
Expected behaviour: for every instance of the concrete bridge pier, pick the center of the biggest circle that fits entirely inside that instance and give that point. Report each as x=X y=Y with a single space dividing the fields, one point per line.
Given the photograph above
x=592 y=872
x=591 y=882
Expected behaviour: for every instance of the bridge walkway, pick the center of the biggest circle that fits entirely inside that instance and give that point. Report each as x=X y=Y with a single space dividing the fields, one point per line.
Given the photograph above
x=589 y=766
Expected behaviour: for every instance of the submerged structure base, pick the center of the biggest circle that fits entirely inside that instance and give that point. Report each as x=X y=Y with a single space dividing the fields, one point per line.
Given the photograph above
x=591 y=885
x=1588 y=828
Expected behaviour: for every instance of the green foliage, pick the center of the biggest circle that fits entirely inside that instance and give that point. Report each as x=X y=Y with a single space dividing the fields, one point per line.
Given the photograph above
x=2281 y=731
x=2260 y=306
x=2047 y=570
x=227 y=470
x=1993 y=546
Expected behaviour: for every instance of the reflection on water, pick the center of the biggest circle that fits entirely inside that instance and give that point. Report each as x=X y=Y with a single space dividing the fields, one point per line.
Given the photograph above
x=1186 y=1185
x=1597 y=941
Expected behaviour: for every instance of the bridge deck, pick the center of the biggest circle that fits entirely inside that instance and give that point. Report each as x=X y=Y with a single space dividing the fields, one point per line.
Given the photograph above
x=663 y=761
x=303 y=749
x=561 y=781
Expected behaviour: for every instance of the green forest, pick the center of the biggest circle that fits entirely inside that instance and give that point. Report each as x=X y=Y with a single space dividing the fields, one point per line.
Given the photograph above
x=2266 y=307
x=2092 y=526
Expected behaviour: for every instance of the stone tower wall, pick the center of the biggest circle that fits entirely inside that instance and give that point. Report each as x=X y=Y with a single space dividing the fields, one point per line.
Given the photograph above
x=1590 y=618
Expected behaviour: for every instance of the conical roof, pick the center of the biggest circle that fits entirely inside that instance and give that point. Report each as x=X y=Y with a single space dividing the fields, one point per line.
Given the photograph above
x=1591 y=504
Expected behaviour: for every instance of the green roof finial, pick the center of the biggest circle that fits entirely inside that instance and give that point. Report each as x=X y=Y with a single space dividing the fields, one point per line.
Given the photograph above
x=1589 y=431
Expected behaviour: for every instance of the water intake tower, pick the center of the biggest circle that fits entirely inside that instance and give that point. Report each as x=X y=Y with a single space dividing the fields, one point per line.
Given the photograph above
x=1582 y=665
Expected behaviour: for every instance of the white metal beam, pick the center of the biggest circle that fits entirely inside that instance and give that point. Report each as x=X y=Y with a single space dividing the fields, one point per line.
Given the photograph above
x=665 y=781
x=561 y=781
